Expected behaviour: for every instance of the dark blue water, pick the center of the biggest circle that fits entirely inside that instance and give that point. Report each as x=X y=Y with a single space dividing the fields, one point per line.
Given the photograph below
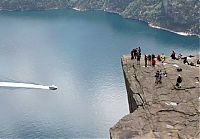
x=80 y=53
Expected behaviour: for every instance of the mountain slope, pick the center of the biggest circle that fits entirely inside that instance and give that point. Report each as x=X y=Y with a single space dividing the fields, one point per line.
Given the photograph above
x=177 y=15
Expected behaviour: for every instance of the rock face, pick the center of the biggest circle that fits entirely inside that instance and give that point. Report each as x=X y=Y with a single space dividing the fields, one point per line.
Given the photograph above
x=160 y=111
x=176 y=15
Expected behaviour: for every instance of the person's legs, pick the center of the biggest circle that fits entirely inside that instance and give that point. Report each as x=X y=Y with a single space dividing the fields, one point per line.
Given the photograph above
x=132 y=54
x=135 y=56
x=159 y=80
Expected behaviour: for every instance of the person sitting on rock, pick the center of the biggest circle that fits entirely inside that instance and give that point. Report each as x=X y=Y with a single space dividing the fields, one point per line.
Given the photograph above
x=198 y=61
x=179 y=81
x=180 y=56
x=192 y=64
x=185 y=61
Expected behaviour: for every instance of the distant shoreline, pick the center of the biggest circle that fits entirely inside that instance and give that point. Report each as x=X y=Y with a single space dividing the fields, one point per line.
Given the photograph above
x=108 y=11
x=149 y=24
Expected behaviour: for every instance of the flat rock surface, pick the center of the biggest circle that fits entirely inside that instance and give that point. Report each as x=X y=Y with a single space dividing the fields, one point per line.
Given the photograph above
x=164 y=111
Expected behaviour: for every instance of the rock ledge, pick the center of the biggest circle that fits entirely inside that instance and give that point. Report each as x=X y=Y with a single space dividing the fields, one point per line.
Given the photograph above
x=160 y=111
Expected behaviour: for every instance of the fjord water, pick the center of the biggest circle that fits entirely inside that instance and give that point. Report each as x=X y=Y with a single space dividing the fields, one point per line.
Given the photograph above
x=80 y=53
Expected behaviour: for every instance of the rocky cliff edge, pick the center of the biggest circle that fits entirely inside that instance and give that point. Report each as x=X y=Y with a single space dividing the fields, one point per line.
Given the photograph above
x=160 y=111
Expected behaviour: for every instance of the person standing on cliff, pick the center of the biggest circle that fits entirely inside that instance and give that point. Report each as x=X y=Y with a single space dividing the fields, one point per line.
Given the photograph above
x=135 y=53
x=132 y=56
x=145 y=60
x=173 y=55
x=158 y=58
x=153 y=62
x=138 y=58
x=149 y=60
x=162 y=57
x=139 y=50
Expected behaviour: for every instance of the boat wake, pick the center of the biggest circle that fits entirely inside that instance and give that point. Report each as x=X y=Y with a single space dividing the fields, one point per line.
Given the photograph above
x=25 y=85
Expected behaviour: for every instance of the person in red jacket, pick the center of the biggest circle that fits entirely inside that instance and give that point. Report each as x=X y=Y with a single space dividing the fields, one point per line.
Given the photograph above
x=173 y=55
x=158 y=58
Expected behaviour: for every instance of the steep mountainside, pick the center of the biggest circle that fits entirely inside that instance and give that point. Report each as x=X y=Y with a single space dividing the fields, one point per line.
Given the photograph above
x=177 y=15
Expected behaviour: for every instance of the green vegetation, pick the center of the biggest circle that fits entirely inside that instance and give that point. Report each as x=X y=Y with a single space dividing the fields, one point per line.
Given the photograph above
x=177 y=15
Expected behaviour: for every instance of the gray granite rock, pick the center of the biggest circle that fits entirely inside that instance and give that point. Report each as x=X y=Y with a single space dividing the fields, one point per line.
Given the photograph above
x=160 y=111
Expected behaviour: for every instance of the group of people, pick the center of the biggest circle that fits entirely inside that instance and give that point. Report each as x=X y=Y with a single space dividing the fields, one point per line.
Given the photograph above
x=159 y=75
x=173 y=56
x=151 y=61
x=136 y=54
x=185 y=60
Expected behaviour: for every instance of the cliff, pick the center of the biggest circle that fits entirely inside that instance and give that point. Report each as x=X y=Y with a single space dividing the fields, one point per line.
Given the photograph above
x=160 y=111
x=176 y=15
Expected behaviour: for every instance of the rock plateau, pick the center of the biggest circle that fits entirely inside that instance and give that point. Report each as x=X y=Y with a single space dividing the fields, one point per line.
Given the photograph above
x=160 y=111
